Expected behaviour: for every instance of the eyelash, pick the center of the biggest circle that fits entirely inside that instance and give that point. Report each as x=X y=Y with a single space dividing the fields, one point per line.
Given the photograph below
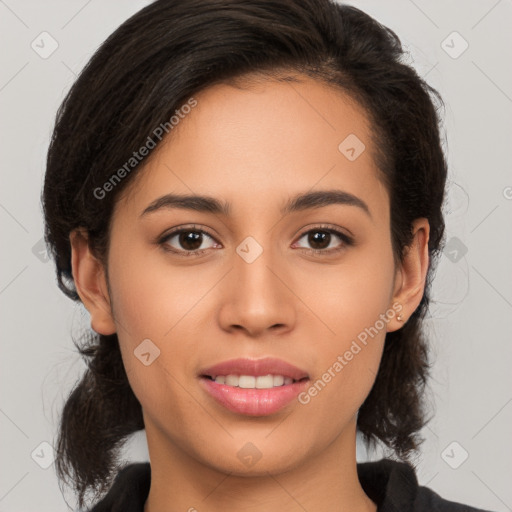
x=346 y=239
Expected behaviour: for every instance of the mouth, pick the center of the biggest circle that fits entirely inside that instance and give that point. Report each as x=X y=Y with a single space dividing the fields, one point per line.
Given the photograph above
x=249 y=395
x=251 y=387
x=247 y=373
x=268 y=381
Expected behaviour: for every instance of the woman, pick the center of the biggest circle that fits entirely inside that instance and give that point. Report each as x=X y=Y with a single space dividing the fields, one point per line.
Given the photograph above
x=246 y=197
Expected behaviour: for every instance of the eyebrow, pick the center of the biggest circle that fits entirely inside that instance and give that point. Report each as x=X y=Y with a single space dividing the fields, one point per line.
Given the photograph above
x=300 y=202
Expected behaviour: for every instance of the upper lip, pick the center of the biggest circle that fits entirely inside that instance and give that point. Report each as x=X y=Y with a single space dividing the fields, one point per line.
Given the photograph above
x=255 y=367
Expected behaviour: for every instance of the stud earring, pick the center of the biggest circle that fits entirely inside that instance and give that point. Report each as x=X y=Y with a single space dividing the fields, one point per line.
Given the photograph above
x=400 y=317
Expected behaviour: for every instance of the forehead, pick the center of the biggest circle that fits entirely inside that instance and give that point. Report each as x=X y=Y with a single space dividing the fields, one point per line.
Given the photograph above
x=264 y=138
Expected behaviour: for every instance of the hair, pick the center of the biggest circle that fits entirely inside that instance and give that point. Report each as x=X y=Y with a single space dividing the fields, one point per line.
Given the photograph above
x=151 y=65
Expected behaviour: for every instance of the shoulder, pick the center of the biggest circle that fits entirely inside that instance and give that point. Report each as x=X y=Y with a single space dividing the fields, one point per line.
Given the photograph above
x=129 y=490
x=394 y=487
x=429 y=500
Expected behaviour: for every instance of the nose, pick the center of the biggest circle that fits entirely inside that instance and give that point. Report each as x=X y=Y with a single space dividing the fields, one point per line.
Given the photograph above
x=257 y=297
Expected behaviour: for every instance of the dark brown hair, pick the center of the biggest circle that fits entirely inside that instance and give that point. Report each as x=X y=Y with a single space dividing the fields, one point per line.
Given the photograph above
x=150 y=66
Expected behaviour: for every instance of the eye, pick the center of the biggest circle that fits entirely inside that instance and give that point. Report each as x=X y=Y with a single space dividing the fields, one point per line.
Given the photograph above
x=192 y=241
x=187 y=241
x=323 y=240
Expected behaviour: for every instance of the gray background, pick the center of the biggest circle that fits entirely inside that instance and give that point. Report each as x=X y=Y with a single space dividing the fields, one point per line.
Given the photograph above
x=470 y=323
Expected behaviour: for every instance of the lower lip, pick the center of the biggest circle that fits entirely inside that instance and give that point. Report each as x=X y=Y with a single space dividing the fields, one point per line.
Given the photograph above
x=253 y=402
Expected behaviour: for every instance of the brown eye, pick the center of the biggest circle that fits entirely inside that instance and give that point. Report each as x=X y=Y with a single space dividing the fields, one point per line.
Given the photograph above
x=190 y=240
x=319 y=239
x=323 y=240
x=187 y=241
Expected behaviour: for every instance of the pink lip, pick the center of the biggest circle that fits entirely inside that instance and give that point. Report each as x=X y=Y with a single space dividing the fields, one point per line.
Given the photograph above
x=255 y=367
x=254 y=402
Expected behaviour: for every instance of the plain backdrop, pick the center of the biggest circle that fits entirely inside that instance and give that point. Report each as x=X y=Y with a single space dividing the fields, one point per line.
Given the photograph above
x=463 y=48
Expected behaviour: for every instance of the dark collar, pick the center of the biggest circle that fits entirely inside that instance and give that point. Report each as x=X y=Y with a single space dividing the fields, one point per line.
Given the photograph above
x=392 y=485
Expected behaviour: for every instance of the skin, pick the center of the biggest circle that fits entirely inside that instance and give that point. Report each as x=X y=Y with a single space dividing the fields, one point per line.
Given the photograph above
x=254 y=147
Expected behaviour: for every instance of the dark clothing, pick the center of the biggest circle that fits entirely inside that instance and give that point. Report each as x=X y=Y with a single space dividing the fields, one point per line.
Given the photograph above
x=392 y=485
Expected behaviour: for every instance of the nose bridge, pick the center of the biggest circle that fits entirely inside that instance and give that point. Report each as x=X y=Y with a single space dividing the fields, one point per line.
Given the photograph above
x=252 y=267
x=257 y=298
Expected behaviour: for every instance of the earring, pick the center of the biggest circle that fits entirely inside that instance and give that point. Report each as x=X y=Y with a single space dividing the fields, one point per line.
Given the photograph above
x=399 y=317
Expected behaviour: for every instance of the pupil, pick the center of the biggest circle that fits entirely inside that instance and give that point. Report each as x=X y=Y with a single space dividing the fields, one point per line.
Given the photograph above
x=188 y=240
x=314 y=239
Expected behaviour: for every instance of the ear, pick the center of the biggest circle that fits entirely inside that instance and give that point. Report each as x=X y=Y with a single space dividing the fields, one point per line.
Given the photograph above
x=91 y=283
x=411 y=275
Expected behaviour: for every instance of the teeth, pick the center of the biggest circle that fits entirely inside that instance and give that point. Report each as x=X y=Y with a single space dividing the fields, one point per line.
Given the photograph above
x=251 y=382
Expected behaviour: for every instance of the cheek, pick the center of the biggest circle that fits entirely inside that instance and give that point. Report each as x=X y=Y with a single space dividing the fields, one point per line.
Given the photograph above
x=347 y=363
x=157 y=310
x=349 y=297
x=152 y=298
x=353 y=304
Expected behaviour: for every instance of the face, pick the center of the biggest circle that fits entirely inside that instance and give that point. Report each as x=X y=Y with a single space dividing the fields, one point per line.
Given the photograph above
x=313 y=285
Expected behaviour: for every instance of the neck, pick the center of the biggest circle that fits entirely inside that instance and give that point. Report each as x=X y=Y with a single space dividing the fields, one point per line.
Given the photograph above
x=326 y=482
